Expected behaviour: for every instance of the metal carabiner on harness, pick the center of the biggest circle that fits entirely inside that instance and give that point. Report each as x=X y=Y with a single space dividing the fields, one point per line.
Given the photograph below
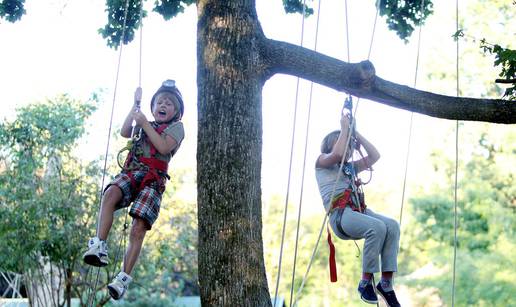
x=130 y=148
x=136 y=134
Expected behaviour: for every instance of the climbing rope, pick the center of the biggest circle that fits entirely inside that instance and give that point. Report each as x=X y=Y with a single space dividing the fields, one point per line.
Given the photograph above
x=347 y=29
x=135 y=135
x=455 y=222
x=409 y=141
x=370 y=41
x=304 y=161
x=290 y=165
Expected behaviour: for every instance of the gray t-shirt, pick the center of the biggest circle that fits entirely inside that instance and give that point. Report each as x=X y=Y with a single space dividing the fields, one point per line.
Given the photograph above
x=327 y=180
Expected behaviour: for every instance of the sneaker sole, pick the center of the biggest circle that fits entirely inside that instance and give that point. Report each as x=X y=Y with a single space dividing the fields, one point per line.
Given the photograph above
x=368 y=301
x=384 y=299
x=94 y=261
x=113 y=293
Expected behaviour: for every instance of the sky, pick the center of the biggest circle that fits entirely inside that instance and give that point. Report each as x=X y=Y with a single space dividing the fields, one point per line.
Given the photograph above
x=55 y=48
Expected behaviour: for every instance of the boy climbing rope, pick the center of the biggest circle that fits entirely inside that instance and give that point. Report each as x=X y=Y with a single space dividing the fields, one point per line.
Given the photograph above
x=142 y=179
x=349 y=217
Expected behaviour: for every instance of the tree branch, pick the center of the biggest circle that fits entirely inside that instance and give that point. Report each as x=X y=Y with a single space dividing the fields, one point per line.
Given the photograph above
x=359 y=79
x=509 y=81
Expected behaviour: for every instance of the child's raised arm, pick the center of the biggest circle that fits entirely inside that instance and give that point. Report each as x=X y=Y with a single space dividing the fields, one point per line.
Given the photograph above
x=164 y=144
x=335 y=156
x=372 y=154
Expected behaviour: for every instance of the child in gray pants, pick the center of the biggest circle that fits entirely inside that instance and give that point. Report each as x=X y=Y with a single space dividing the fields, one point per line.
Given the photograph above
x=350 y=219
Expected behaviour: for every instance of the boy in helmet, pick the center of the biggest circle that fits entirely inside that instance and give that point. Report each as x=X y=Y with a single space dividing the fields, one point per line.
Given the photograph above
x=141 y=181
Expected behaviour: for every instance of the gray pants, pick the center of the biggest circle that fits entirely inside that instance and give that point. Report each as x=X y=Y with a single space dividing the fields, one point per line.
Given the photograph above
x=381 y=234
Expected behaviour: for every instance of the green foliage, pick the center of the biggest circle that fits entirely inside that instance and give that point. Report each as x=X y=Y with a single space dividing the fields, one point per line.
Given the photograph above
x=47 y=196
x=318 y=288
x=458 y=34
x=481 y=280
x=506 y=59
x=486 y=226
x=120 y=15
x=123 y=19
x=297 y=6
x=46 y=129
x=170 y=8
x=403 y=16
x=12 y=10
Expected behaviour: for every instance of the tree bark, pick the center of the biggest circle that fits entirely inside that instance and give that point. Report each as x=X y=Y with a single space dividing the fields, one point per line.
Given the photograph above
x=68 y=286
x=229 y=146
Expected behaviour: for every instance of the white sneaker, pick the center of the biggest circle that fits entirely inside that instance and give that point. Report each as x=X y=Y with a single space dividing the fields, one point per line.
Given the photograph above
x=96 y=254
x=119 y=285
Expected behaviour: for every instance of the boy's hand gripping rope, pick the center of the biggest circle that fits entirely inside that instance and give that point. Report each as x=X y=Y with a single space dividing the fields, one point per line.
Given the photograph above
x=135 y=133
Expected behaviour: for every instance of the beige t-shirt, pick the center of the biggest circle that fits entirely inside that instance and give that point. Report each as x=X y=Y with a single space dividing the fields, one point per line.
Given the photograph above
x=174 y=130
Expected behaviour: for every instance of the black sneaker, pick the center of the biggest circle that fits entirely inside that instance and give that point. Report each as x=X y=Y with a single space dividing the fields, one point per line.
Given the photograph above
x=388 y=296
x=367 y=293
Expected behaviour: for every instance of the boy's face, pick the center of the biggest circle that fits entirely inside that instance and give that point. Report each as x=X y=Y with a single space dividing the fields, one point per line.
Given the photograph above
x=165 y=107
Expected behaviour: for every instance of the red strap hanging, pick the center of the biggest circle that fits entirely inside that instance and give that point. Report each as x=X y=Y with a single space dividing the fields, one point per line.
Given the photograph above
x=333 y=264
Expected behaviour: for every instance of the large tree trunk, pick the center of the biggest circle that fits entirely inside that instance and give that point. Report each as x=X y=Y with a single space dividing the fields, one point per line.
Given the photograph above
x=229 y=146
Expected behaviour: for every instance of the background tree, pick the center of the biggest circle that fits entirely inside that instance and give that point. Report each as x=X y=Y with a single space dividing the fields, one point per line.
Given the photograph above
x=47 y=197
x=486 y=222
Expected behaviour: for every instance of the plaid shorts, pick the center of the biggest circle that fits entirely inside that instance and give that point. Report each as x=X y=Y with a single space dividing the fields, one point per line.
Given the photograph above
x=146 y=204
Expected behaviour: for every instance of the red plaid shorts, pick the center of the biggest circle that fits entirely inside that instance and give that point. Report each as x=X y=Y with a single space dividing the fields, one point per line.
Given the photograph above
x=146 y=204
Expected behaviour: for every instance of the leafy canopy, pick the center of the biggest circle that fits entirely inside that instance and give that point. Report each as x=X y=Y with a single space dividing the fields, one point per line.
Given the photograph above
x=12 y=10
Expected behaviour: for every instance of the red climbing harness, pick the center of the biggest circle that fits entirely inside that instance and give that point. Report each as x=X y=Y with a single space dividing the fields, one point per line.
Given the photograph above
x=152 y=164
x=347 y=198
